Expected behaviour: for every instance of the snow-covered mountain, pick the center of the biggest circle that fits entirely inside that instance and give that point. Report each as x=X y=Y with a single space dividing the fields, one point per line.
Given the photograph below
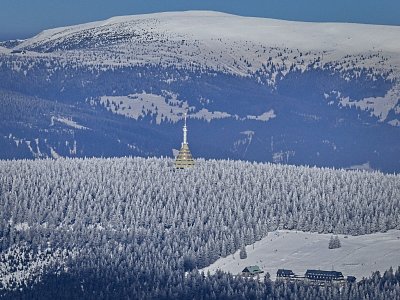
x=310 y=93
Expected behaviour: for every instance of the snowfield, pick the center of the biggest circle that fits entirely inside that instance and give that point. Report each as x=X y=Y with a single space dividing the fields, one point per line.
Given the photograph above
x=359 y=255
x=214 y=30
x=68 y=122
x=137 y=106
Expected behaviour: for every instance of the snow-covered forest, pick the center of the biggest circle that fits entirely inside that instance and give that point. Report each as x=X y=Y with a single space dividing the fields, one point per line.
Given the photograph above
x=134 y=226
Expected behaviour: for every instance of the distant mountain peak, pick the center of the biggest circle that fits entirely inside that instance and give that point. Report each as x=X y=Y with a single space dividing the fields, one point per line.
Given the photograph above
x=309 y=93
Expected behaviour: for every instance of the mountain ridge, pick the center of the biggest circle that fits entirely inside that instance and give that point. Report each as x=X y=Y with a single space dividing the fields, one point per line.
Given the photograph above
x=330 y=87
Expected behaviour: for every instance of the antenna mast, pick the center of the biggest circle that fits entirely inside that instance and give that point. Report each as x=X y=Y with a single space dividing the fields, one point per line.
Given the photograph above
x=185 y=131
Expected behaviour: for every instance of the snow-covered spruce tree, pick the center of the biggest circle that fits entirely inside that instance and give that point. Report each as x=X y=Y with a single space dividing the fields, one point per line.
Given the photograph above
x=243 y=253
x=334 y=242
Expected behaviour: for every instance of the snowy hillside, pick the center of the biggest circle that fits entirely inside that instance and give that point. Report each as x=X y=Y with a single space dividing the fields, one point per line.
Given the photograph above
x=358 y=256
x=86 y=228
x=233 y=44
x=325 y=94
x=218 y=40
x=171 y=110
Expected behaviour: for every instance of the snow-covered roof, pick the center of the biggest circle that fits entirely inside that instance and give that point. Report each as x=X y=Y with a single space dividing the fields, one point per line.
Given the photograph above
x=252 y=269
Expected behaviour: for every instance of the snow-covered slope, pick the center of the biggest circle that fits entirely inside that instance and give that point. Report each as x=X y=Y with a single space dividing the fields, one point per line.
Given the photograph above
x=171 y=110
x=233 y=44
x=298 y=251
x=310 y=93
x=227 y=35
x=139 y=224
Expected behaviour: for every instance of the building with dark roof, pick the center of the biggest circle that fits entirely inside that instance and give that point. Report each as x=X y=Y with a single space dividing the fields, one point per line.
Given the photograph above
x=283 y=273
x=323 y=275
x=351 y=279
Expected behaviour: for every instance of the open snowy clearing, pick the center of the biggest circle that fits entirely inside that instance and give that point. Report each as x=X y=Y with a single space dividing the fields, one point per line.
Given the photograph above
x=139 y=105
x=359 y=255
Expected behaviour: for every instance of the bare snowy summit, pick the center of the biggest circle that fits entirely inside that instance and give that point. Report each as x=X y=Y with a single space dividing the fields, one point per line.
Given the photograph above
x=231 y=36
x=348 y=37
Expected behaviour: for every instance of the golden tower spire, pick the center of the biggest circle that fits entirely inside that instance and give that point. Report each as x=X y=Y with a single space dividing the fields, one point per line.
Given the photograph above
x=184 y=158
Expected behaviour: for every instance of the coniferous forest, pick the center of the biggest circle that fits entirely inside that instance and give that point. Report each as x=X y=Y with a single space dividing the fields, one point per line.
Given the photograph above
x=135 y=228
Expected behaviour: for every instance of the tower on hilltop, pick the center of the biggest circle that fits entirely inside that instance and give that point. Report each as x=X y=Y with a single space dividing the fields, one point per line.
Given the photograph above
x=184 y=159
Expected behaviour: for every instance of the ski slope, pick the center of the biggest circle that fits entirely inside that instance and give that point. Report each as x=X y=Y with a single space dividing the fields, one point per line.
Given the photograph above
x=359 y=255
